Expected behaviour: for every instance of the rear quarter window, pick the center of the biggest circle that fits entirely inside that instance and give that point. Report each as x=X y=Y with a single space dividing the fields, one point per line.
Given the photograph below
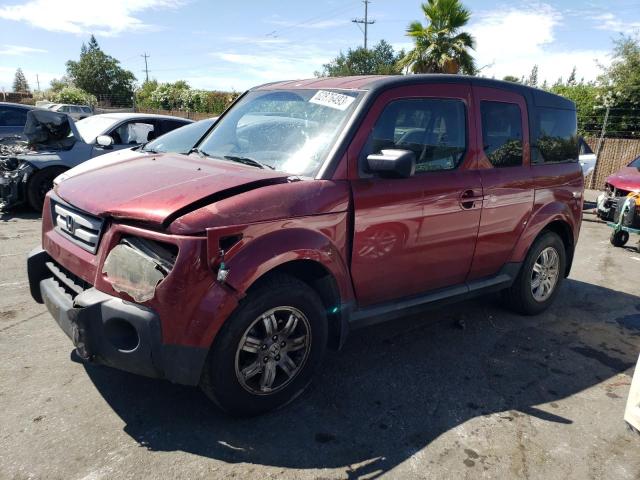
x=557 y=139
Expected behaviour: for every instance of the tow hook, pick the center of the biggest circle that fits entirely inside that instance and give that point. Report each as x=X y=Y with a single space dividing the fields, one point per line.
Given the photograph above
x=223 y=271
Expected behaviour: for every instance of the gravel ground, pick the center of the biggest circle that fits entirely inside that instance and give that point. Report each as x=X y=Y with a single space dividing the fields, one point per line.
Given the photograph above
x=468 y=391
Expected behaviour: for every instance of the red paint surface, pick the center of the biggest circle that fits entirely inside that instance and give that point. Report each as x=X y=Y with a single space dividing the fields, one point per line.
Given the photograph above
x=627 y=178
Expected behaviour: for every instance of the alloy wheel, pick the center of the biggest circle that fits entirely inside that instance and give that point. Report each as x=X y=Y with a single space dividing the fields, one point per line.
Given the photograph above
x=545 y=273
x=273 y=350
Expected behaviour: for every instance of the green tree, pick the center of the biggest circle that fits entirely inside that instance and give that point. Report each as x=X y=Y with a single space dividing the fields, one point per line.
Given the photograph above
x=441 y=46
x=532 y=81
x=379 y=60
x=621 y=81
x=511 y=78
x=58 y=84
x=20 y=83
x=101 y=75
x=143 y=94
x=586 y=96
x=572 y=77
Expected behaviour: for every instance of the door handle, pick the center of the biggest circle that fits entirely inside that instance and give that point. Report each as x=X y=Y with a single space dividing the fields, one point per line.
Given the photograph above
x=469 y=198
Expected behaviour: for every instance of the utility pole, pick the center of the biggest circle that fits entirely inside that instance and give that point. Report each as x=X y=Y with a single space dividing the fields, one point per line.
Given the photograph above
x=38 y=81
x=146 y=66
x=365 y=21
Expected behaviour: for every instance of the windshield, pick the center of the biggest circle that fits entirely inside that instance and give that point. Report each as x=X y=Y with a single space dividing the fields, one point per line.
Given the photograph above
x=180 y=140
x=286 y=130
x=90 y=127
x=635 y=163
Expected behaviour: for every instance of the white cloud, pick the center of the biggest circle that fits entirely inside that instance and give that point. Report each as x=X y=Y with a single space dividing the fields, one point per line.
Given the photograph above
x=19 y=50
x=101 y=17
x=510 y=41
x=609 y=21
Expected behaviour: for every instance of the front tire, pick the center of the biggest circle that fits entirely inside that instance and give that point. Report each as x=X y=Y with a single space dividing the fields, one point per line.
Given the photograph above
x=540 y=276
x=39 y=184
x=267 y=352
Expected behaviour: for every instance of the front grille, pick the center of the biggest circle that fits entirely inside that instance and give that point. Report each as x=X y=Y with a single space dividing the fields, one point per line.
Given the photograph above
x=68 y=282
x=81 y=228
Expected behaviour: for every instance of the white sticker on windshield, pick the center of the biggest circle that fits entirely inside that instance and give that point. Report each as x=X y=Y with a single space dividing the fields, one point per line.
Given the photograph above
x=339 y=101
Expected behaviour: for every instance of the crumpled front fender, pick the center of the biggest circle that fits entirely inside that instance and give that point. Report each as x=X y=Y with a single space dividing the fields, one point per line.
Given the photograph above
x=257 y=249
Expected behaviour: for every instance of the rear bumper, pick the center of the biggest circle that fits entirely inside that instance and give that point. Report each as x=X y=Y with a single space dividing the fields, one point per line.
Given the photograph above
x=108 y=330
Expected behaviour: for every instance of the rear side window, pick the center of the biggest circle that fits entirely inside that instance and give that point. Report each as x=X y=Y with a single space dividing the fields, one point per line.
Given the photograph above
x=434 y=129
x=502 y=133
x=169 y=125
x=557 y=136
x=12 y=117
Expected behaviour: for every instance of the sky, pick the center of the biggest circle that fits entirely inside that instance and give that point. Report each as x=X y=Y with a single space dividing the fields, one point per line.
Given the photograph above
x=234 y=45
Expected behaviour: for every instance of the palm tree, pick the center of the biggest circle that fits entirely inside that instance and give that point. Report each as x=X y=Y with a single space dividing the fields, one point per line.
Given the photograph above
x=440 y=47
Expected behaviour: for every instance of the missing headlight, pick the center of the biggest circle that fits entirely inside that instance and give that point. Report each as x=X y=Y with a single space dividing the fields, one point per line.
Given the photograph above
x=136 y=266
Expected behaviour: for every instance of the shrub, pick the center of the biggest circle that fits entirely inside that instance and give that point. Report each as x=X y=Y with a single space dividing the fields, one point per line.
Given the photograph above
x=74 y=96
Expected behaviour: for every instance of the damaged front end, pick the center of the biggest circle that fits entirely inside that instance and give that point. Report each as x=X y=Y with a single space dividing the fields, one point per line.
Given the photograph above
x=14 y=174
x=46 y=132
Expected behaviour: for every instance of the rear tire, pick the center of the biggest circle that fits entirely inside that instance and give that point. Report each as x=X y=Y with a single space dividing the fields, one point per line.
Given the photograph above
x=619 y=238
x=261 y=359
x=39 y=184
x=537 y=283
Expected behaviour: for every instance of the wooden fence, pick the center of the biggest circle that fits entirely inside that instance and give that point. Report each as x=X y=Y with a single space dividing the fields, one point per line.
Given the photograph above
x=178 y=113
x=615 y=153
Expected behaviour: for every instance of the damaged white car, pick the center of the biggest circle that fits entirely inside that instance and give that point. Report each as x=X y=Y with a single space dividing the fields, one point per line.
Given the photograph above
x=55 y=143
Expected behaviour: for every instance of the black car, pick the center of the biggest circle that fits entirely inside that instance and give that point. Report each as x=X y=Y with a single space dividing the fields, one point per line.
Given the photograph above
x=13 y=116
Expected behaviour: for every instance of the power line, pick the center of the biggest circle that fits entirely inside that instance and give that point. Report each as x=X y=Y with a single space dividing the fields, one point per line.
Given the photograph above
x=146 y=66
x=364 y=21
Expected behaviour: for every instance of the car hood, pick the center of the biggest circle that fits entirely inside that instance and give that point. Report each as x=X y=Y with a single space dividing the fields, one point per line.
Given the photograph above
x=103 y=161
x=627 y=178
x=47 y=127
x=159 y=188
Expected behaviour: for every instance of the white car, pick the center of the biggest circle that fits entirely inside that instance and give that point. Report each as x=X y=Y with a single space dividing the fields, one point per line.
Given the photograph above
x=587 y=158
x=180 y=140
x=56 y=143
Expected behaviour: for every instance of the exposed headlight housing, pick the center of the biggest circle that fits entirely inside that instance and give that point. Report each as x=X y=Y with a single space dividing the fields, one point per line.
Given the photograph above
x=136 y=266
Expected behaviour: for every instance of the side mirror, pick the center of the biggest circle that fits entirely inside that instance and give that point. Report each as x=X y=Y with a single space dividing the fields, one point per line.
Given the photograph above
x=104 y=140
x=393 y=163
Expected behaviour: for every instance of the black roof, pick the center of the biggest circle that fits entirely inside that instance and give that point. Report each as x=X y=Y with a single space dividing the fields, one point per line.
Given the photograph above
x=18 y=105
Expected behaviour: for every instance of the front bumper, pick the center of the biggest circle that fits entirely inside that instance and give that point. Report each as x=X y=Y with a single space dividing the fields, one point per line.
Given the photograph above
x=108 y=330
x=13 y=186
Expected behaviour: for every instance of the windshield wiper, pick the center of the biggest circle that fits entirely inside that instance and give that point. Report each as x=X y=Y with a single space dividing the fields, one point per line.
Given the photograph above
x=248 y=161
x=202 y=153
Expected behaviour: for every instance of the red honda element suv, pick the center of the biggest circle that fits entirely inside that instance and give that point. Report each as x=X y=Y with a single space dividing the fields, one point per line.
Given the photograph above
x=312 y=207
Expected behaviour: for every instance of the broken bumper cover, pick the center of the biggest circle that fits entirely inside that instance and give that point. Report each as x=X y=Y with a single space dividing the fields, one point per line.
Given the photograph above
x=110 y=331
x=13 y=185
